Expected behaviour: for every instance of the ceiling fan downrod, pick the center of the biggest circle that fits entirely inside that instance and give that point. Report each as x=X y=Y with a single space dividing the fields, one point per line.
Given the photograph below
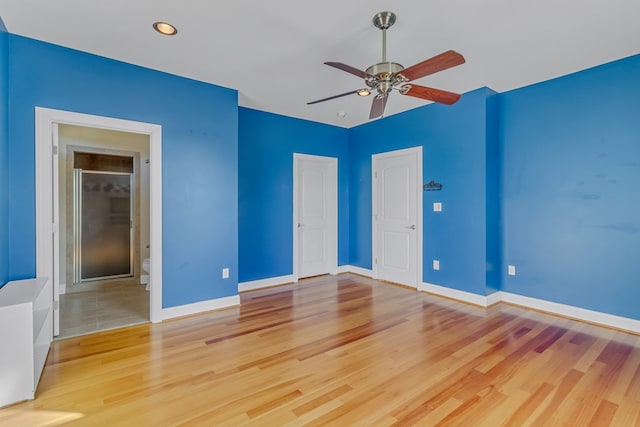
x=383 y=73
x=383 y=21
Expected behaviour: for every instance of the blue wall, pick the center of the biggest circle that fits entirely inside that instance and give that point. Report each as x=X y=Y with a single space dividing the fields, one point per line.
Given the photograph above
x=4 y=152
x=200 y=142
x=571 y=188
x=266 y=146
x=454 y=153
x=545 y=178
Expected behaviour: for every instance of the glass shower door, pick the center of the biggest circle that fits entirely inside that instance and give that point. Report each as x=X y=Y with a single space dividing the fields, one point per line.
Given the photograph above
x=103 y=225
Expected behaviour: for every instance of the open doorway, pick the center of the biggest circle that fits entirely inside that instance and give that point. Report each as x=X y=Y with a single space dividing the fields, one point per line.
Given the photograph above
x=48 y=256
x=103 y=203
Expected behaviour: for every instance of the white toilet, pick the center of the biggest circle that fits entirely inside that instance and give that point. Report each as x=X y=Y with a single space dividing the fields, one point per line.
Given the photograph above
x=144 y=278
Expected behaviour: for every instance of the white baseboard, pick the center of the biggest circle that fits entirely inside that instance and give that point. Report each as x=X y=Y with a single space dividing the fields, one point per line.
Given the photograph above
x=578 y=313
x=284 y=280
x=199 y=307
x=564 y=310
x=266 y=283
x=144 y=279
x=493 y=298
x=344 y=269
x=355 y=270
x=63 y=288
x=456 y=294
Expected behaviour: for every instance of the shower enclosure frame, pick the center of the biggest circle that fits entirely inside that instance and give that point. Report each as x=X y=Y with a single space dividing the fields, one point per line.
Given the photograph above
x=78 y=220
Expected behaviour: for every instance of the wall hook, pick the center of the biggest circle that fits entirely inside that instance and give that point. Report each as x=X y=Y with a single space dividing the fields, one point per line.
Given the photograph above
x=432 y=186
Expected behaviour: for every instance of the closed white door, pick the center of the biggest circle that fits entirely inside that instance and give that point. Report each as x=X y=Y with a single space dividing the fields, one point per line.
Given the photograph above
x=397 y=216
x=315 y=215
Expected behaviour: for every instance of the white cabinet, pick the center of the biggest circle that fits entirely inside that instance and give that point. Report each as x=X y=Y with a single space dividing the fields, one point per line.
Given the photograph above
x=26 y=331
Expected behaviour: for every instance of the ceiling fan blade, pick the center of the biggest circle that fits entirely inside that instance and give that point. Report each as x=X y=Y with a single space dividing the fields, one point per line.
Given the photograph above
x=430 y=94
x=349 y=69
x=334 y=97
x=440 y=62
x=377 y=107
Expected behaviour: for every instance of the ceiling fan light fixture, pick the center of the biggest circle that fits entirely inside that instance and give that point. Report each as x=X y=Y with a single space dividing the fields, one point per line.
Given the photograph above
x=364 y=92
x=165 y=28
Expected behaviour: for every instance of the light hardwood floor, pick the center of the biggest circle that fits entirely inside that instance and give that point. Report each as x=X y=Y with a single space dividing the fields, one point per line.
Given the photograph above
x=343 y=351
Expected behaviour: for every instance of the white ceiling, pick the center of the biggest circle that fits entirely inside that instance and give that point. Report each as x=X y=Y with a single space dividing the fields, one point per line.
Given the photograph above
x=272 y=52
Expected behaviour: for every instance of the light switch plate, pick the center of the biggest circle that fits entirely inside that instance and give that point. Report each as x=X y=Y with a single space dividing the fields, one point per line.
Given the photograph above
x=436 y=264
x=437 y=207
x=511 y=270
x=225 y=273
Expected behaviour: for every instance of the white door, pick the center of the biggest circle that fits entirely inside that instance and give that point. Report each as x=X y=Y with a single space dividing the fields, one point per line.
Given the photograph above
x=397 y=216
x=315 y=215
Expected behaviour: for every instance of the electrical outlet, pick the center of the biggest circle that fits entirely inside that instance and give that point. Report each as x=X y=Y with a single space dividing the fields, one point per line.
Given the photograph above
x=436 y=264
x=437 y=207
x=511 y=270
x=225 y=273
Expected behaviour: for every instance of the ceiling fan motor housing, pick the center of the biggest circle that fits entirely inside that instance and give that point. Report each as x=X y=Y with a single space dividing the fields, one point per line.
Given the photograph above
x=385 y=76
x=385 y=68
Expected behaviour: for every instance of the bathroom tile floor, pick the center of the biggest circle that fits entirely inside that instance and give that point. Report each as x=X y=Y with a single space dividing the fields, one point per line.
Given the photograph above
x=104 y=305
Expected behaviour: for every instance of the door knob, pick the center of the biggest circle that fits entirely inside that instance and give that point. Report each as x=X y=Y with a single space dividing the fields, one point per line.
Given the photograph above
x=412 y=227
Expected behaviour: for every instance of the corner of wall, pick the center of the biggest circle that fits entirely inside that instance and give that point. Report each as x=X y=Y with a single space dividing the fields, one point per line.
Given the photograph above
x=492 y=204
x=4 y=144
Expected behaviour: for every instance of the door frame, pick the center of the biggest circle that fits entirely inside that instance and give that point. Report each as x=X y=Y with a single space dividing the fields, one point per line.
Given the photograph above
x=332 y=216
x=416 y=152
x=47 y=232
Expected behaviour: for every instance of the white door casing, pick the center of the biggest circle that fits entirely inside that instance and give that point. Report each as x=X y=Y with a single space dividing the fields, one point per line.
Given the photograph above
x=55 y=231
x=397 y=216
x=315 y=215
x=46 y=195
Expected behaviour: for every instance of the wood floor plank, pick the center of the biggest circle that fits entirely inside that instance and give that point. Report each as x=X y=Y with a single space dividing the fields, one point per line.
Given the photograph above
x=604 y=414
x=527 y=408
x=342 y=350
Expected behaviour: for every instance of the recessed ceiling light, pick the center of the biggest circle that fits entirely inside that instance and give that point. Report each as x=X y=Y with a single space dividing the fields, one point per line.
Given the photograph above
x=364 y=92
x=341 y=114
x=165 y=28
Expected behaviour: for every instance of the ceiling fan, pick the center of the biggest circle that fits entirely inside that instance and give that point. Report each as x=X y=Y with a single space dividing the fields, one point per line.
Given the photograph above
x=385 y=76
